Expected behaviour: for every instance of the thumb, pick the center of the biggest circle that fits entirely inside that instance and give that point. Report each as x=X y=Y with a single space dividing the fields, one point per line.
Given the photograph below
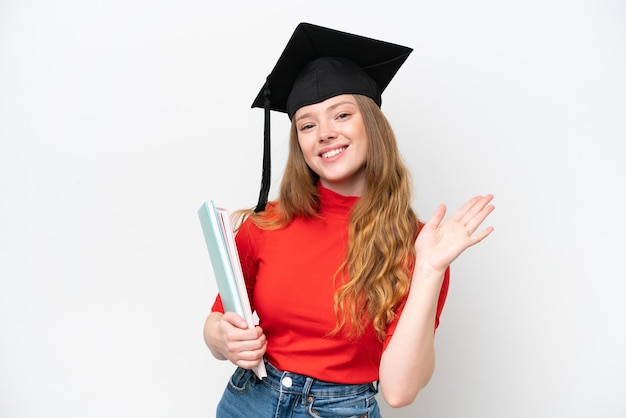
x=437 y=216
x=235 y=320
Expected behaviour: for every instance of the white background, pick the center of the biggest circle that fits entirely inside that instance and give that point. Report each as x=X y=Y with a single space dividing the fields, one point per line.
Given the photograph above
x=119 y=118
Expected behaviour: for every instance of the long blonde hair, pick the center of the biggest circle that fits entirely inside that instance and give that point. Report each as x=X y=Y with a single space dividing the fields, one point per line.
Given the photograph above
x=382 y=227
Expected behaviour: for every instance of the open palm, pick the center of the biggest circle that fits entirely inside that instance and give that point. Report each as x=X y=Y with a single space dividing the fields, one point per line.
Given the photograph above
x=440 y=242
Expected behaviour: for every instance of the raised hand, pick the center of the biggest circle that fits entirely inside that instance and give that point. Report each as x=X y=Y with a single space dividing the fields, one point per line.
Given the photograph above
x=440 y=242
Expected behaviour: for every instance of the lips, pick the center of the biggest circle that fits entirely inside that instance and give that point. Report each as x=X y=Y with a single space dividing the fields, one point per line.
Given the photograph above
x=332 y=153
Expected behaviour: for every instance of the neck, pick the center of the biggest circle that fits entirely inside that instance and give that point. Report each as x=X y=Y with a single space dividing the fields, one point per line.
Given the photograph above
x=354 y=188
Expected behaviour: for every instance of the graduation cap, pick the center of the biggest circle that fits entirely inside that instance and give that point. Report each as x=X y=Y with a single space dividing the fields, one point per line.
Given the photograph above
x=319 y=63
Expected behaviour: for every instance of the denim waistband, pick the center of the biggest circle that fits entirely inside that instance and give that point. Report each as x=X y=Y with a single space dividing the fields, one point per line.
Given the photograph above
x=295 y=383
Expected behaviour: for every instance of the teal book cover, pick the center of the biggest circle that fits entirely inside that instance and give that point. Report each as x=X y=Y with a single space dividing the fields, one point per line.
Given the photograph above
x=216 y=241
x=220 y=241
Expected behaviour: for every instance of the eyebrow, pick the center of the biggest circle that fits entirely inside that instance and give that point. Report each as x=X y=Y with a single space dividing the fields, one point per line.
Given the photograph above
x=331 y=107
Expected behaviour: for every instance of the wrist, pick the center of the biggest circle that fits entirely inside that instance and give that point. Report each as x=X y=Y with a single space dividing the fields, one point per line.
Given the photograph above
x=212 y=335
x=424 y=272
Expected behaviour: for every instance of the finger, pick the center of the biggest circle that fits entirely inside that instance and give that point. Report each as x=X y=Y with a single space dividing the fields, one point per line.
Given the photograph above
x=478 y=205
x=235 y=320
x=473 y=223
x=242 y=339
x=249 y=364
x=249 y=358
x=482 y=235
x=248 y=346
x=437 y=216
x=464 y=209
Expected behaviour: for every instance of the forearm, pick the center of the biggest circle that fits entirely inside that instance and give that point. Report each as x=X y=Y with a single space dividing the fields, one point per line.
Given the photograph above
x=409 y=360
x=211 y=332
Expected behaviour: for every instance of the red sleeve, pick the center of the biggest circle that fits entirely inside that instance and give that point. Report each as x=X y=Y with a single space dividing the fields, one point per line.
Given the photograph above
x=217 y=305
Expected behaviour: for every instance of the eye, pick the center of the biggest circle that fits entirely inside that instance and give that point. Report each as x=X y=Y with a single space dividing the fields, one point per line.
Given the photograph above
x=343 y=115
x=306 y=127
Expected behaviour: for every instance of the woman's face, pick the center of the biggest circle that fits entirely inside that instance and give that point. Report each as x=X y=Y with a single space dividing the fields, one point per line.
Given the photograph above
x=334 y=143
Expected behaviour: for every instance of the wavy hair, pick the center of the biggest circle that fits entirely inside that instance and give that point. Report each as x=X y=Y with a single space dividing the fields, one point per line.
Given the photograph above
x=376 y=273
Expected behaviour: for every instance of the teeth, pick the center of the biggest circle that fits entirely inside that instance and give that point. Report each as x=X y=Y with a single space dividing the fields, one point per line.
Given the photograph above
x=333 y=152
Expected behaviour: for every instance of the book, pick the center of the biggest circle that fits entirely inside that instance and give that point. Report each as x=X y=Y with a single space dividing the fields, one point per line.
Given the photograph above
x=220 y=241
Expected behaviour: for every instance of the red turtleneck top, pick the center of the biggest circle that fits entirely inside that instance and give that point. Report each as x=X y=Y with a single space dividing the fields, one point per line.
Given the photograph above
x=289 y=275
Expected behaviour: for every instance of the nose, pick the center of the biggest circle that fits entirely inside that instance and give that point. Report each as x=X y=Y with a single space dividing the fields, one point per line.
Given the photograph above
x=327 y=132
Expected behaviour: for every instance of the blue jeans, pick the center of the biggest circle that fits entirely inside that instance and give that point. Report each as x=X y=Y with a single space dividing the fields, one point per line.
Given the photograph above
x=284 y=394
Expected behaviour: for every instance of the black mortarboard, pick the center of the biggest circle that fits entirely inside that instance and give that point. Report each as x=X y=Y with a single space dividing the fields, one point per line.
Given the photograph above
x=319 y=63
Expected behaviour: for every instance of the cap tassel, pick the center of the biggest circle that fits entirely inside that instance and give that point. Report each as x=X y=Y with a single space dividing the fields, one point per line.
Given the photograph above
x=267 y=166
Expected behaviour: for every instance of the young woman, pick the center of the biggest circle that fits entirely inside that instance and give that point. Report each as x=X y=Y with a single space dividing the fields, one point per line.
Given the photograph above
x=348 y=284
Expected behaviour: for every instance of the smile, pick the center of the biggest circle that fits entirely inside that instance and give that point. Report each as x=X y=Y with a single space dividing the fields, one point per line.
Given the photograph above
x=334 y=152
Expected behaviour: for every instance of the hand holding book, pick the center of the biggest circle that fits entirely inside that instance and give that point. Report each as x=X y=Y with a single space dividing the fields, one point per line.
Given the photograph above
x=218 y=234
